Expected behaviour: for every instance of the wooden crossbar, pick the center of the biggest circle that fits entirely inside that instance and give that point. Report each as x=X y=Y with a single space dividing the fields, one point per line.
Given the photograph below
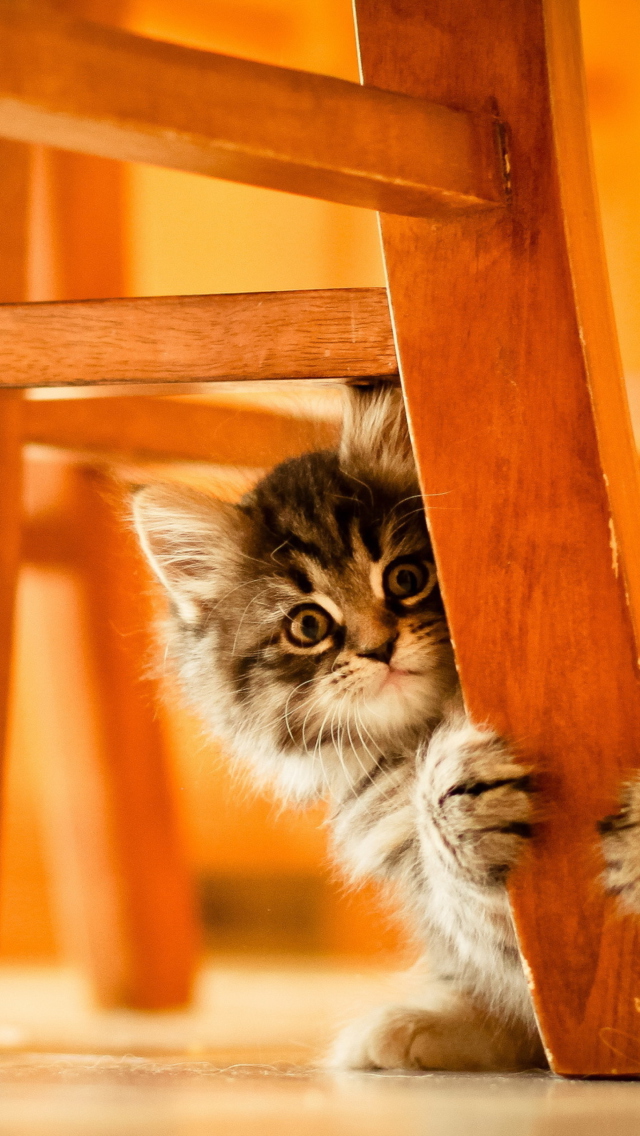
x=81 y=86
x=333 y=333
x=163 y=429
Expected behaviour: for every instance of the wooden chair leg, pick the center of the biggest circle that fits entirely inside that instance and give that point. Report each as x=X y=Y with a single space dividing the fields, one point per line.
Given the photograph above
x=160 y=920
x=134 y=911
x=15 y=166
x=514 y=391
x=10 y=517
x=121 y=880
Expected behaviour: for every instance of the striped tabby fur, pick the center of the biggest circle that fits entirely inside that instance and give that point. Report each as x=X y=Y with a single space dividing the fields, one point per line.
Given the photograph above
x=620 y=838
x=307 y=626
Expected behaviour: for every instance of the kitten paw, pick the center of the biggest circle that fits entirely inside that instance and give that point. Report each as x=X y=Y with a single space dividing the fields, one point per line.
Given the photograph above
x=620 y=841
x=479 y=800
x=403 y=1037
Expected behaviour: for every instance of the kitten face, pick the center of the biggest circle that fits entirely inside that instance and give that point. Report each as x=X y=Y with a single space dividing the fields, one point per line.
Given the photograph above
x=307 y=621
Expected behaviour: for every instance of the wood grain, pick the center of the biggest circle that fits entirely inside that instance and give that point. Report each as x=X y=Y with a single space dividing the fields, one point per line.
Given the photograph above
x=156 y=429
x=336 y=333
x=82 y=86
x=490 y=315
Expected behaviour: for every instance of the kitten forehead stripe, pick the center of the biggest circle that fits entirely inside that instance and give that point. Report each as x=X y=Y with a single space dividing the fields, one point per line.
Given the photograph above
x=300 y=579
x=369 y=535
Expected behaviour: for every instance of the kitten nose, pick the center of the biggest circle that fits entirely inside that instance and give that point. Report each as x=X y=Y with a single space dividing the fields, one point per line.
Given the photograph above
x=383 y=652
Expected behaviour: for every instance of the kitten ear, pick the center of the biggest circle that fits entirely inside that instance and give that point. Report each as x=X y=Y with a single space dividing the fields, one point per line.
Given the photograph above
x=375 y=442
x=192 y=542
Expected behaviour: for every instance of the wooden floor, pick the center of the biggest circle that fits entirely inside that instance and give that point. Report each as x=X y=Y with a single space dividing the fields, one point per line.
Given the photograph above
x=244 y=1061
x=67 y=1095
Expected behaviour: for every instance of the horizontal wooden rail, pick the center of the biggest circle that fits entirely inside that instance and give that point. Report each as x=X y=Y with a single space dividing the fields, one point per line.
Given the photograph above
x=157 y=429
x=80 y=86
x=337 y=333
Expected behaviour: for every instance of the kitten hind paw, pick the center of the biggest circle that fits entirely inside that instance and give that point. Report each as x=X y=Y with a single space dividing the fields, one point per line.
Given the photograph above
x=620 y=842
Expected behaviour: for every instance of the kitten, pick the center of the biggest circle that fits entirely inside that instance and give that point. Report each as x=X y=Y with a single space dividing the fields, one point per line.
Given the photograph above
x=307 y=625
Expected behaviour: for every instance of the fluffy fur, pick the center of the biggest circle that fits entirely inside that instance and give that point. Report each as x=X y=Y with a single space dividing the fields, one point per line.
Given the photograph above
x=307 y=626
x=620 y=835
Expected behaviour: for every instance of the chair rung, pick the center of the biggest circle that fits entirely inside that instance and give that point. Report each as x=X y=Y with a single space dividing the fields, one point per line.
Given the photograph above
x=337 y=333
x=80 y=86
x=163 y=429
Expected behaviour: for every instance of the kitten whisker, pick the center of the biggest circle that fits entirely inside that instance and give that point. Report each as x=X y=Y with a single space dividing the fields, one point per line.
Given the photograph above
x=338 y=749
x=367 y=772
x=403 y=501
x=253 y=600
x=361 y=726
x=304 y=729
x=244 y=584
x=285 y=716
x=317 y=751
x=400 y=520
x=276 y=550
x=352 y=477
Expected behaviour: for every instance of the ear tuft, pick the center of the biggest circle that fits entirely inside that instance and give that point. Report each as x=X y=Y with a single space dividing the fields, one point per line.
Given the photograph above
x=375 y=442
x=191 y=541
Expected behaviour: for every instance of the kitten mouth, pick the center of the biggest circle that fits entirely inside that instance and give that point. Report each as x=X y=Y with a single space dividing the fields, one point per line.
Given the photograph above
x=395 y=675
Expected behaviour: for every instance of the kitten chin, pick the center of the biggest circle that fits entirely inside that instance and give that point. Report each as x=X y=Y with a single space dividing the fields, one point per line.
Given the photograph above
x=406 y=701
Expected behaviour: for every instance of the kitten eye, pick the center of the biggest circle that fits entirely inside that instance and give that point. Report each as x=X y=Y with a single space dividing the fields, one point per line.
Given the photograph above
x=307 y=625
x=407 y=579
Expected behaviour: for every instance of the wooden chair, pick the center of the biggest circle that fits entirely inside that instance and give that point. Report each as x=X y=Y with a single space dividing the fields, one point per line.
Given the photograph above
x=470 y=137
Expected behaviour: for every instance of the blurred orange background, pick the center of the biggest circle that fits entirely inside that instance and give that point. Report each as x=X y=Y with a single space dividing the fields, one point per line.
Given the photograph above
x=101 y=229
